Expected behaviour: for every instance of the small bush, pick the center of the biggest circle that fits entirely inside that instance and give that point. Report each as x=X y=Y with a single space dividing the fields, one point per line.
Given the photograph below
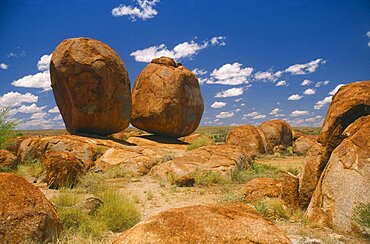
x=32 y=168
x=116 y=172
x=232 y=197
x=362 y=215
x=207 y=178
x=197 y=143
x=239 y=176
x=6 y=169
x=7 y=126
x=219 y=136
x=272 y=209
x=294 y=171
x=256 y=170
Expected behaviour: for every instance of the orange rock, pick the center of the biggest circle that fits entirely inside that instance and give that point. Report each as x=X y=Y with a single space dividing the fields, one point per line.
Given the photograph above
x=248 y=137
x=166 y=99
x=7 y=159
x=226 y=223
x=277 y=132
x=26 y=216
x=304 y=143
x=91 y=87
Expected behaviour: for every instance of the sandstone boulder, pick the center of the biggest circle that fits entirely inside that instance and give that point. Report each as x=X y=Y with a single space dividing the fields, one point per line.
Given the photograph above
x=277 y=132
x=297 y=134
x=63 y=169
x=303 y=144
x=91 y=87
x=198 y=137
x=218 y=158
x=345 y=182
x=166 y=99
x=7 y=159
x=284 y=188
x=250 y=138
x=26 y=216
x=227 y=223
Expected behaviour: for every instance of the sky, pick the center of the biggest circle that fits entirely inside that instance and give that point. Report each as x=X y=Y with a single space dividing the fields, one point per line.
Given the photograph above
x=255 y=60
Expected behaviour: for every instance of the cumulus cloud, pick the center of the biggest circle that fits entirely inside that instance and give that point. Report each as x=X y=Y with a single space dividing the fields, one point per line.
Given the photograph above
x=144 y=10
x=322 y=83
x=313 y=119
x=44 y=62
x=39 y=115
x=199 y=72
x=268 y=75
x=336 y=89
x=306 y=82
x=296 y=113
x=251 y=114
x=295 y=97
x=14 y=99
x=322 y=103
x=281 y=83
x=4 y=66
x=260 y=116
x=309 y=91
x=368 y=35
x=238 y=100
x=30 y=109
x=182 y=50
x=218 y=105
x=224 y=115
x=218 y=40
x=39 y=80
x=230 y=74
x=232 y=92
x=302 y=69
x=275 y=111
x=54 y=110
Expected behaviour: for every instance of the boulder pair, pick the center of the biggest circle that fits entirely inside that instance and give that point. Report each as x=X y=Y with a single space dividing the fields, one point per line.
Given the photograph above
x=92 y=90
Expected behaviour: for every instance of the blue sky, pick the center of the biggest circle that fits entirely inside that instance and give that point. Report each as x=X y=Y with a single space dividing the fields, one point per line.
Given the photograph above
x=256 y=60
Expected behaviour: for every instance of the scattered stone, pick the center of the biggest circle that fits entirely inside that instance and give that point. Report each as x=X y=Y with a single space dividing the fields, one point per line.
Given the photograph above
x=277 y=132
x=226 y=223
x=91 y=87
x=90 y=205
x=26 y=215
x=166 y=99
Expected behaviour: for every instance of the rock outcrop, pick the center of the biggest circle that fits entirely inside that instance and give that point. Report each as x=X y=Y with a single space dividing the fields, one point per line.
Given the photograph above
x=91 y=87
x=218 y=158
x=351 y=102
x=250 y=138
x=7 y=159
x=303 y=144
x=26 y=216
x=166 y=99
x=227 y=223
x=345 y=182
x=277 y=132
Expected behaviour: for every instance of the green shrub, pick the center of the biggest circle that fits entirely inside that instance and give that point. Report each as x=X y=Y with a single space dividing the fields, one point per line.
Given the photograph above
x=256 y=170
x=219 y=136
x=232 y=197
x=32 y=168
x=272 y=209
x=207 y=178
x=197 y=143
x=362 y=215
x=6 y=169
x=7 y=126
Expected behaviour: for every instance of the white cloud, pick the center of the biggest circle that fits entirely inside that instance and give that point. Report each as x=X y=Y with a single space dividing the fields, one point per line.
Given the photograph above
x=144 y=11
x=275 y=111
x=238 y=100
x=260 y=116
x=301 y=69
x=335 y=90
x=306 y=82
x=54 y=110
x=232 y=92
x=309 y=91
x=4 y=66
x=39 y=80
x=296 y=113
x=44 y=62
x=237 y=110
x=281 y=83
x=182 y=50
x=14 y=99
x=30 y=109
x=39 y=115
x=242 y=104
x=322 y=83
x=199 y=72
x=218 y=40
x=368 y=35
x=295 y=97
x=57 y=118
x=322 y=103
x=218 y=105
x=313 y=119
x=230 y=74
x=251 y=114
x=268 y=75
x=224 y=115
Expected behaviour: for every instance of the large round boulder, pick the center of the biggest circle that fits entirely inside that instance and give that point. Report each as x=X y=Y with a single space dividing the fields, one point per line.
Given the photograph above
x=26 y=215
x=304 y=143
x=277 y=132
x=226 y=223
x=166 y=99
x=91 y=87
x=345 y=182
x=250 y=138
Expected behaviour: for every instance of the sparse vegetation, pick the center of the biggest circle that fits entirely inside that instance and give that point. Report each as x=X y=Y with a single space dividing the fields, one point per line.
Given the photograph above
x=232 y=197
x=207 y=178
x=362 y=215
x=33 y=168
x=256 y=170
x=7 y=126
x=272 y=208
x=197 y=143
x=219 y=136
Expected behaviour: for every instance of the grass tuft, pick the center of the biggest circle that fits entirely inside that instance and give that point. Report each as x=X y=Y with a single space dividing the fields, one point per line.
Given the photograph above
x=197 y=143
x=362 y=215
x=207 y=178
x=32 y=168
